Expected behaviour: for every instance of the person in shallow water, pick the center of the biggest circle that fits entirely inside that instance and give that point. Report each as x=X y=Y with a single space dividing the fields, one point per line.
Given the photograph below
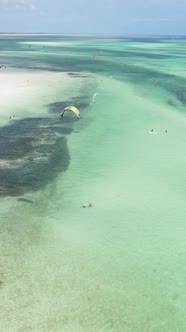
x=89 y=205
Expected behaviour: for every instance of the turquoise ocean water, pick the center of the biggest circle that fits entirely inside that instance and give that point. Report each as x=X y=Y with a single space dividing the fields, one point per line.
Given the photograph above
x=120 y=265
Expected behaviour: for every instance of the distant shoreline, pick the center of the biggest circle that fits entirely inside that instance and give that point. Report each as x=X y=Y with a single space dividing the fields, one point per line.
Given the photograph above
x=90 y=35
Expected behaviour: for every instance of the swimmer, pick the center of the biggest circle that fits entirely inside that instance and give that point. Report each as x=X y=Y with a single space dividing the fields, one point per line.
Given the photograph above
x=84 y=206
x=90 y=205
x=166 y=131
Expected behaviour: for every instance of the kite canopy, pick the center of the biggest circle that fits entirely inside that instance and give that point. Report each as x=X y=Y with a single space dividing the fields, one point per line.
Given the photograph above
x=72 y=109
x=94 y=96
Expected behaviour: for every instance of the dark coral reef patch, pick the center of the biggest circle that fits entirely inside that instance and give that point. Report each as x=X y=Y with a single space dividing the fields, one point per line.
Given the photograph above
x=33 y=152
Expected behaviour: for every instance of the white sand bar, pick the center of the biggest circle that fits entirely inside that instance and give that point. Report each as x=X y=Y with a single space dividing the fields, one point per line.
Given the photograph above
x=28 y=92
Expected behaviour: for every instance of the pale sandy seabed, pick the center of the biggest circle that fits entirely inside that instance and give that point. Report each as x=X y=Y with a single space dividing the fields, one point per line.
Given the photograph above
x=27 y=92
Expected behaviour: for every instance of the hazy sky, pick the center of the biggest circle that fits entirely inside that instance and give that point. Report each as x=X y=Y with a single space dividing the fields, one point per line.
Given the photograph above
x=96 y=16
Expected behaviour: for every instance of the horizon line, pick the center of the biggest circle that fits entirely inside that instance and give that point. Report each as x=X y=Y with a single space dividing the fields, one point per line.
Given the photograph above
x=91 y=34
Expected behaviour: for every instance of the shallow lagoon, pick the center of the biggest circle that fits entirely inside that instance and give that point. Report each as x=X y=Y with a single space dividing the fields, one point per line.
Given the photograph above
x=118 y=266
